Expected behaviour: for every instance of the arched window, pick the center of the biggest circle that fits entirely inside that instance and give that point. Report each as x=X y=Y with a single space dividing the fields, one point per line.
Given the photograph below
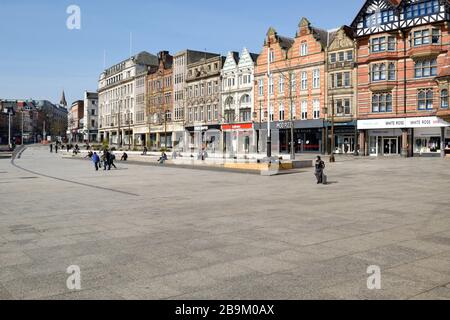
x=245 y=99
x=444 y=99
x=229 y=102
x=425 y=99
x=391 y=71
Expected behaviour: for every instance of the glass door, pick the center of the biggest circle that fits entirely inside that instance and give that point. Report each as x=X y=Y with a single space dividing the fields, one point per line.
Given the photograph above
x=390 y=146
x=373 y=146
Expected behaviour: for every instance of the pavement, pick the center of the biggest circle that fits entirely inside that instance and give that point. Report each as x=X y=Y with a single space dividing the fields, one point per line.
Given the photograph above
x=146 y=232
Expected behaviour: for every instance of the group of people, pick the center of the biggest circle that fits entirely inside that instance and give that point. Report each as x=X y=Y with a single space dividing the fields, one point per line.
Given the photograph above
x=106 y=160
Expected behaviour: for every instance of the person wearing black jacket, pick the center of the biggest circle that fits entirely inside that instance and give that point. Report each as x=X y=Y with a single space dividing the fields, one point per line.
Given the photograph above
x=319 y=167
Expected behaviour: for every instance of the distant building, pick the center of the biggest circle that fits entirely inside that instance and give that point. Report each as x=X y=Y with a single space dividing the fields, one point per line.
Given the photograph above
x=204 y=118
x=238 y=103
x=75 y=119
x=90 y=118
x=35 y=120
x=118 y=117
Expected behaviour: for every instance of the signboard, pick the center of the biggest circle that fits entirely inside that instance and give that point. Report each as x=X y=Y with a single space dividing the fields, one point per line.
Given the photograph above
x=402 y=123
x=243 y=126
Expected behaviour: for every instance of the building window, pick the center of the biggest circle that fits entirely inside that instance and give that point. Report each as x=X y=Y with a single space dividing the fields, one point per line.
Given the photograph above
x=333 y=58
x=426 y=68
x=271 y=56
x=424 y=37
x=422 y=9
x=444 y=99
x=378 y=18
x=216 y=112
x=316 y=108
x=245 y=99
x=304 y=110
x=281 y=85
x=316 y=79
x=343 y=107
x=382 y=102
x=381 y=44
x=304 y=49
x=261 y=87
x=281 y=112
x=378 y=72
x=293 y=82
x=425 y=99
x=391 y=71
x=271 y=86
x=304 y=83
x=350 y=55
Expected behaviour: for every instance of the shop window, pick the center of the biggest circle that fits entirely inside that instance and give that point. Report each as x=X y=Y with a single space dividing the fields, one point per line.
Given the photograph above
x=444 y=99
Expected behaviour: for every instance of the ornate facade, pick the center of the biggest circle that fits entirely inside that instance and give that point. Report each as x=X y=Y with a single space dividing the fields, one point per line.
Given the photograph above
x=402 y=77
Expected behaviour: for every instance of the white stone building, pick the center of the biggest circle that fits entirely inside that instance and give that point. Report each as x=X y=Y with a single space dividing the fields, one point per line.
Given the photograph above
x=238 y=108
x=121 y=113
x=90 y=119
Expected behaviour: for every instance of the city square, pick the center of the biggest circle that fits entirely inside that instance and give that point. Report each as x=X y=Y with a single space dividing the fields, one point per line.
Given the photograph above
x=155 y=232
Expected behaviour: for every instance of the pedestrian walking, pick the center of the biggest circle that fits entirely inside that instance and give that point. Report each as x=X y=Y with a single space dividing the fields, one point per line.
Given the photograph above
x=112 y=158
x=96 y=160
x=144 y=153
x=51 y=147
x=56 y=148
x=319 y=166
x=106 y=161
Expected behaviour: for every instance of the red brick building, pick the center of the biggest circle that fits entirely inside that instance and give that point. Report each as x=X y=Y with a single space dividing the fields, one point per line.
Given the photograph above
x=403 y=77
x=292 y=92
x=159 y=87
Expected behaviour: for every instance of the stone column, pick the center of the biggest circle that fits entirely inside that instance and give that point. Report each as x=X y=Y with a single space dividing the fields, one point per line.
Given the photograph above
x=404 y=151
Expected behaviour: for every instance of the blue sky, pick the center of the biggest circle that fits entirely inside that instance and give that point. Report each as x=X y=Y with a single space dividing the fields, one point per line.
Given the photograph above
x=39 y=56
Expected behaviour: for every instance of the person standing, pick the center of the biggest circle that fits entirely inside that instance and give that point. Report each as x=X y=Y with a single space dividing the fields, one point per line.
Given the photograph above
x=319 y=167
x=106 y=163
x=56 y=147
x=51 y=147
x=96 y=160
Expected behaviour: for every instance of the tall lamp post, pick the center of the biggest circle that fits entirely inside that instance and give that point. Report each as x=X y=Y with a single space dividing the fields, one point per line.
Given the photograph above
x=9 y=112
x=269 y=134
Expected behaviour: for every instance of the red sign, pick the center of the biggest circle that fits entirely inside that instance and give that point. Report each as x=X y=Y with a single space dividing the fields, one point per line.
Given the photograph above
x=243 y=126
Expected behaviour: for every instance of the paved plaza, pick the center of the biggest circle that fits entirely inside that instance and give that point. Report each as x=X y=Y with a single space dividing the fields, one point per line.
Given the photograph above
x=146 y=232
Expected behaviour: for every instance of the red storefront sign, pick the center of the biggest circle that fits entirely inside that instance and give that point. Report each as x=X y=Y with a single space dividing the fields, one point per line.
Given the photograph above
x=243 y=126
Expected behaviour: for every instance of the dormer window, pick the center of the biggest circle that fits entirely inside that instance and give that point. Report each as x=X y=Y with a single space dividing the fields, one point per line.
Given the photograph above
x=379 y=17
x=422 y=9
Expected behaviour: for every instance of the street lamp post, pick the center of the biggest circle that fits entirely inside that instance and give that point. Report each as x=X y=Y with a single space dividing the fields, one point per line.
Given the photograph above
x=269 y=134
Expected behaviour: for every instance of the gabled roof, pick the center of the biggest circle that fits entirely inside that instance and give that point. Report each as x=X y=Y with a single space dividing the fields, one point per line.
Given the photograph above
x=285 y=42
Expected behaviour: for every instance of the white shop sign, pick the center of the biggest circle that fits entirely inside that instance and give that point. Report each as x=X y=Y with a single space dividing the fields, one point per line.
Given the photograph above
x=402 y=123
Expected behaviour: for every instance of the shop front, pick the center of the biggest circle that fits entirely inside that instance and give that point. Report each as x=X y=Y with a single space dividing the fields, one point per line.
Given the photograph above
x=421 y=136
x=345 y=137
x=204 y=138
x=239 y=139
x=308 y=136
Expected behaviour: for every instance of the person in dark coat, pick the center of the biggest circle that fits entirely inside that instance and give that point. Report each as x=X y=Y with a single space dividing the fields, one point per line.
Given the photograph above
x=106 y=161
x=112 y=158
x=319 y=167
x=51 y=147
